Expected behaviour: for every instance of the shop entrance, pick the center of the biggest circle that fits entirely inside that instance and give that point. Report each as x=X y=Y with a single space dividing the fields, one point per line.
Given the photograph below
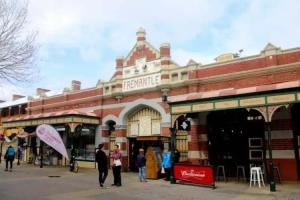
x=235 y=137
x=135 y=144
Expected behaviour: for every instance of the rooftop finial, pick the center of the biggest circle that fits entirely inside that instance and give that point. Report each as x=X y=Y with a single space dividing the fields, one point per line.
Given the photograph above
x=141 y=34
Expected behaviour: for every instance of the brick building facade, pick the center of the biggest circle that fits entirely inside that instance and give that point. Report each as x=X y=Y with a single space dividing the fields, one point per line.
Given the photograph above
x=149 y=92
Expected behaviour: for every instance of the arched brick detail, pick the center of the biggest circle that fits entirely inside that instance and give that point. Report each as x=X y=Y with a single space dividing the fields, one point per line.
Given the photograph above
x=166 y=117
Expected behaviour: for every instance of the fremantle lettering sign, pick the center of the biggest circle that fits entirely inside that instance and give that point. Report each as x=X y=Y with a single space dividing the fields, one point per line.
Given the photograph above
x=142 y=82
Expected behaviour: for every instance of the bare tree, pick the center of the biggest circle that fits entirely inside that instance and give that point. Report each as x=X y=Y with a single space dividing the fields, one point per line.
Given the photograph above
x=17 y=48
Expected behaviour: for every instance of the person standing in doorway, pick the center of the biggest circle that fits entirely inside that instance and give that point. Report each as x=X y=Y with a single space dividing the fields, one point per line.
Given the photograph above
x=9 y=156
x=141 y=164
x=166 y=163
x=117 y=165
x=101 y=160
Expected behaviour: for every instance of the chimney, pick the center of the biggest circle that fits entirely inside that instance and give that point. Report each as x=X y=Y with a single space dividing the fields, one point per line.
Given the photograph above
x=141 y=34
x=119 y=61
x=41 y=92
x=16 y=97
x=76 y=85
x=165 y=53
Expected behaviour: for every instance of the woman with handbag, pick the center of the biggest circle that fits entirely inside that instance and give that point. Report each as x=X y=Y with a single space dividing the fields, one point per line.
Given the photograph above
x=117 y=166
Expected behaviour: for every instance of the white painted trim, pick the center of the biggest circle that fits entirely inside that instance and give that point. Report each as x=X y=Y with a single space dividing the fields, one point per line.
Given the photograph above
x=283 y=154
x=104 y=140
x=166 y=117
x=121 y=139
x=197 y=155
x=280 y=134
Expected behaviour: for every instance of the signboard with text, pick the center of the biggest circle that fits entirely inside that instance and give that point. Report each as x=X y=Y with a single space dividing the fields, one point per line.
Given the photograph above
x=203 y=175
x=141 y=82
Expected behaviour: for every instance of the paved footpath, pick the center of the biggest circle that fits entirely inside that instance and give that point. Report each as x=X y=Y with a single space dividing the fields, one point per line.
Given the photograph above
x=34 y=183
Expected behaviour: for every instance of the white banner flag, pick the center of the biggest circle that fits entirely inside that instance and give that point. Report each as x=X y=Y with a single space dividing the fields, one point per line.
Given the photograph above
x=51 y=137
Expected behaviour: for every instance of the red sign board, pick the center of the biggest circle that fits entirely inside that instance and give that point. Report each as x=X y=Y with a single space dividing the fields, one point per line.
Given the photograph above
x=195 y=174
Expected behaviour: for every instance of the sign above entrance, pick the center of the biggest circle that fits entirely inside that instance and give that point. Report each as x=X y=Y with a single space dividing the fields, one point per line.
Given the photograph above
x=142 y=82
x=184 y=124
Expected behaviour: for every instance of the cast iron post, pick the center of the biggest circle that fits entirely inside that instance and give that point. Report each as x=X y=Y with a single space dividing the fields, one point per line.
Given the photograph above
x=271 y=164
x=173 y=139
x=41 y=153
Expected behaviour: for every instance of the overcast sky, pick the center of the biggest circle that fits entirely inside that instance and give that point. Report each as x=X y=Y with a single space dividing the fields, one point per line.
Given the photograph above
x=79 y=40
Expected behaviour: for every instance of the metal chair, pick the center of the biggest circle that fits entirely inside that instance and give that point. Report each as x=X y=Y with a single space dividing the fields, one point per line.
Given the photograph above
x=240 y=168
x=277 y=170
x=220 y=168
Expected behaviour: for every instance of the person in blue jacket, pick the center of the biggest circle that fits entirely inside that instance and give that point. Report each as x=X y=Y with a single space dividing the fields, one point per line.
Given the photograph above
x=166 y=163
x=9 y=156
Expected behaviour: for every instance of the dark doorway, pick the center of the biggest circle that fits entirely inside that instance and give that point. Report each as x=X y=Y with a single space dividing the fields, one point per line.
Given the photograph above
x=135 y=145
x=235 y=137
x=295 y=111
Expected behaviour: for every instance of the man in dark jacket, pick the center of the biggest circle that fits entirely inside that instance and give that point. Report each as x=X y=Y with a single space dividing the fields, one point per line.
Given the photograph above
x=101 y=160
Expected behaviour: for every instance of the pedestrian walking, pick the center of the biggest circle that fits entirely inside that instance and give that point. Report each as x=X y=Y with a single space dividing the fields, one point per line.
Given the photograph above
x=9 y=157
x=141 y=164
x=101 y=160
x=117 y=165
x=19 y=154
x=166 y=163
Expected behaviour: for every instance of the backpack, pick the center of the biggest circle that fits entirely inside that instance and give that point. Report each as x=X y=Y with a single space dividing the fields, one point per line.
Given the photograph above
x=10 y=152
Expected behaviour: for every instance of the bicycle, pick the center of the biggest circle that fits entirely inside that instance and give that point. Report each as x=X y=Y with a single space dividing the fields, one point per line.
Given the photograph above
x=74 y=165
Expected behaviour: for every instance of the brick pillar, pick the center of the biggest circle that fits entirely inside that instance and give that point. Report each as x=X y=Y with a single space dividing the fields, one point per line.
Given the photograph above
x=197 y=141
x=165 y=53
x=283 y=145
x=121 y=140
x=119 y=67
x=102 y=137
x=140 y=35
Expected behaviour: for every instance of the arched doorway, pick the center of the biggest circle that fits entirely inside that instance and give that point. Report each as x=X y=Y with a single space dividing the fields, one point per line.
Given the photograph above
x=235 y=137
x=143 y=131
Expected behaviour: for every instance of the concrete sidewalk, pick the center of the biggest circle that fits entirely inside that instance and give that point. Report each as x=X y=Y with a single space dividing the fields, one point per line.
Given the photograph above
x=32 y=182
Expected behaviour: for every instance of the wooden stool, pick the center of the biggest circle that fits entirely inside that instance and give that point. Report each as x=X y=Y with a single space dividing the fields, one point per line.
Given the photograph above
x=220 y=168
x=240 y=168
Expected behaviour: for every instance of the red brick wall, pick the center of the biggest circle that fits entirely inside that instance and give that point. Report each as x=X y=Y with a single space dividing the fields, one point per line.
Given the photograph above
x=247 y=65
x=145 y=52
x=288 y=166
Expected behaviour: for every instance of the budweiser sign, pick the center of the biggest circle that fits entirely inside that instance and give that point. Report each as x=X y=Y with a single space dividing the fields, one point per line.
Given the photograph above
x=195 y=174
x=187 y=173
